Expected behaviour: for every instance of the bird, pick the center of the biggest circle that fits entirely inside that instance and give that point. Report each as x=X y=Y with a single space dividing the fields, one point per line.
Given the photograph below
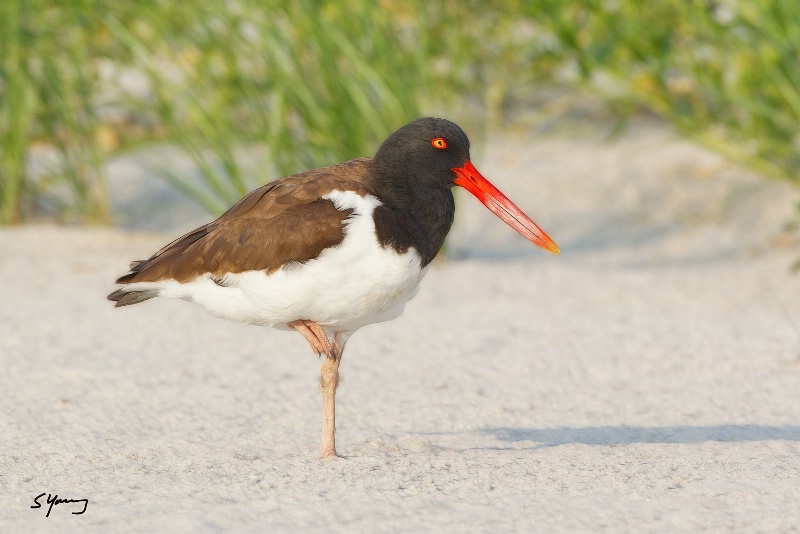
x=328 y=251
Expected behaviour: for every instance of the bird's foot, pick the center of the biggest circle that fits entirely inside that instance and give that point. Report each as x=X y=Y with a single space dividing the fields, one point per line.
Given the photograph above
x=316 y=337
x=328 y=453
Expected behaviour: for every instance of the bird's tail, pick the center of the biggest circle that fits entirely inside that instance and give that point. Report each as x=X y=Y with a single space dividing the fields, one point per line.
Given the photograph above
x=126 y=297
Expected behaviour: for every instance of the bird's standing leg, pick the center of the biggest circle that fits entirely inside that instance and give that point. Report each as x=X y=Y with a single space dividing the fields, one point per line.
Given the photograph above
x=329 y=381
x=329 y=377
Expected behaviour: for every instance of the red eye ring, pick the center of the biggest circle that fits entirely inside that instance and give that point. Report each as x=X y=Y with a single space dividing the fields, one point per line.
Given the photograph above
x=439 y=142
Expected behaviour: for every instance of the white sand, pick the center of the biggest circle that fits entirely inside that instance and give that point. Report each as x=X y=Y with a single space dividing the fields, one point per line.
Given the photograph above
x=647 y=379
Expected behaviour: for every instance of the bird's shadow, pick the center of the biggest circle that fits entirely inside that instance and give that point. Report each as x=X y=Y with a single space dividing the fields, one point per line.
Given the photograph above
x=626 y=435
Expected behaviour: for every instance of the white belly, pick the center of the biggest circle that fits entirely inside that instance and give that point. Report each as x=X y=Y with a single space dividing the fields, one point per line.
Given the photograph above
x=344 y=288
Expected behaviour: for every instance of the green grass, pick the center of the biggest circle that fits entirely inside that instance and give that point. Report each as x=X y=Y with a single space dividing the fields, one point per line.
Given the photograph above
x=293 y=91
x=254 y=90
x=48 y=93
x=725 y=73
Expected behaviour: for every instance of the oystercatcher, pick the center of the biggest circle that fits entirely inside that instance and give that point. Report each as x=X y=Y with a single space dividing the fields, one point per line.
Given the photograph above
x=328 y=251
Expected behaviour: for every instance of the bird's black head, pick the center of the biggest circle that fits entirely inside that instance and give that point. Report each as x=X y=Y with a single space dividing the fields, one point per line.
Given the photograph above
x=426 y=150
x=416 y=166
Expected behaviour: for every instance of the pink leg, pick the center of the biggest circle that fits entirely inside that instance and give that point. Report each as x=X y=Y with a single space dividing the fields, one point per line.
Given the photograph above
x=329 y=377
x=315 y=335
x=329 y=381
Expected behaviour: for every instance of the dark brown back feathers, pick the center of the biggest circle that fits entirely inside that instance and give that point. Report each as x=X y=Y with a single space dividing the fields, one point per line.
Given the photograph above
x=282 y=222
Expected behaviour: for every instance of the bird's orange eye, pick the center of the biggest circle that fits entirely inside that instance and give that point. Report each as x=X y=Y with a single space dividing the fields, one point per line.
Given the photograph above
x=439 y=143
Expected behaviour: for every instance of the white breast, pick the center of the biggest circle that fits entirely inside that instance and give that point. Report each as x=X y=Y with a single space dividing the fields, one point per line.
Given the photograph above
x=356 y=283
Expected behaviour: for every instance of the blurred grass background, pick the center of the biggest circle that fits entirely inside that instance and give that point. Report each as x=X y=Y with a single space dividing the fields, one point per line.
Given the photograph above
x=285 y=86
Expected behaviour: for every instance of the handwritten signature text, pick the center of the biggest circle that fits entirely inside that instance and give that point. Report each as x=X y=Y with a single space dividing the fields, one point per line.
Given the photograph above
x=53 y=500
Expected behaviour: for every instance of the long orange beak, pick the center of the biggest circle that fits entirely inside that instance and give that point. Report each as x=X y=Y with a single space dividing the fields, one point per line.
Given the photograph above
x=470 y=179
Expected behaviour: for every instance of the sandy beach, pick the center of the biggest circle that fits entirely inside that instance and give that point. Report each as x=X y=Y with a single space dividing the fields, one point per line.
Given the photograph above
x=645 y=380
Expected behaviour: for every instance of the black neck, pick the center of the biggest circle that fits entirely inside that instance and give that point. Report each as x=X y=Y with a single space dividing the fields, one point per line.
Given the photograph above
x=414 y=213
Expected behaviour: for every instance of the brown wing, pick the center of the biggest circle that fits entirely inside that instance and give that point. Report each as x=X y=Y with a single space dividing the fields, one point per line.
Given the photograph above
x=282 y=222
